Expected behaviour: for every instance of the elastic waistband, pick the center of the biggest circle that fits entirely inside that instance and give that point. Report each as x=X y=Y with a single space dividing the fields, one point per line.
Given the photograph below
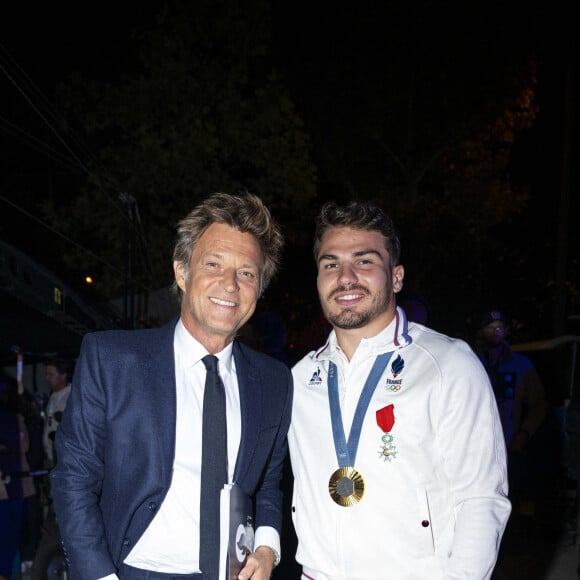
x=131 y=573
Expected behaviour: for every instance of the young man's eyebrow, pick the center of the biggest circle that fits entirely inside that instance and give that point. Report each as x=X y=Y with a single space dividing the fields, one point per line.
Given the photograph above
x=327 y=257
x=360 y=253
x=356 y=254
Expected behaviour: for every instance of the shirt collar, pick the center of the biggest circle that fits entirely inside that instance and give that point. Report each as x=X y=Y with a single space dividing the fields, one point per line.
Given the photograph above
x=190 y=351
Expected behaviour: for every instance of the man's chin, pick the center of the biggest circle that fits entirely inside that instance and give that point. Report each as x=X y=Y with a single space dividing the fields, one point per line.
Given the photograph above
x=348 y=319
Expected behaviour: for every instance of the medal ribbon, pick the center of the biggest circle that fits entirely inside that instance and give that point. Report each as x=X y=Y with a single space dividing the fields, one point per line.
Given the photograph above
x=346 y=452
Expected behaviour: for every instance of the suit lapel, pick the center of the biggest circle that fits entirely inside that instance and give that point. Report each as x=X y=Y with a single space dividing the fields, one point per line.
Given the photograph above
x=249 y=384
x=160 y=362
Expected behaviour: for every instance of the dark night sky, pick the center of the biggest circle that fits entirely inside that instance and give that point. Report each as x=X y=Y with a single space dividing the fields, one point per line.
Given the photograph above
x=322 y=47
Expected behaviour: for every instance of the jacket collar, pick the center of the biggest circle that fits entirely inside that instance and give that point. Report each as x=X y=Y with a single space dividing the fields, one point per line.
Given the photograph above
x=393 y=337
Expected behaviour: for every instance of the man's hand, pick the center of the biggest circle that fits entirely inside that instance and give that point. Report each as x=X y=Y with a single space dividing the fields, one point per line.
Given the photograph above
x=259 y=565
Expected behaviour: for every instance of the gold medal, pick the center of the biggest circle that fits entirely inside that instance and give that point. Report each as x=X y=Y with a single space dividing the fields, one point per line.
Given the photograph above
x=346 y=486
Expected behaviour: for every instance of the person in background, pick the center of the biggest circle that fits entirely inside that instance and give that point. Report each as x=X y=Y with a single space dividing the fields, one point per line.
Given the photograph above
x=15 y=483
x=58 y=375
x=128 y=480
x=33 y=511
x=395 y=441
x=521 y=400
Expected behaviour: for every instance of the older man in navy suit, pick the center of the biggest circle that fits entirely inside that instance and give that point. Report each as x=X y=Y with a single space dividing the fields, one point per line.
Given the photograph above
x=128 y=483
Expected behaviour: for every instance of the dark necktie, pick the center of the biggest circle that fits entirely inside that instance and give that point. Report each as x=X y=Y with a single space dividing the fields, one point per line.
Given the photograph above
x=213 y=468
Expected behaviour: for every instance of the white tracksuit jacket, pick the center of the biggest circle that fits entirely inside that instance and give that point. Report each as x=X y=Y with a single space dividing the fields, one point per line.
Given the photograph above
x=435 y=504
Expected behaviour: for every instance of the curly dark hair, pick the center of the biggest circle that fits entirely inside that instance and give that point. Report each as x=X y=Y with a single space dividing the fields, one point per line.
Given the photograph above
x=359 y=215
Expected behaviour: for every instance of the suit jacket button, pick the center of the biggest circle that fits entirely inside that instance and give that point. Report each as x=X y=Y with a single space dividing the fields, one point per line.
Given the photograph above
x=126 y=542
x=152 y=506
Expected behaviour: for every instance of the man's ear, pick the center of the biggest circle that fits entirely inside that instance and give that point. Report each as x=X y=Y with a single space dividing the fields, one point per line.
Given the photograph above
x=179 y=274
x=398 y=277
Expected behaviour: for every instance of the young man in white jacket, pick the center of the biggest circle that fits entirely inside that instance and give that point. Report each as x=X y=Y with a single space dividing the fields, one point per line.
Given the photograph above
x=395 y=442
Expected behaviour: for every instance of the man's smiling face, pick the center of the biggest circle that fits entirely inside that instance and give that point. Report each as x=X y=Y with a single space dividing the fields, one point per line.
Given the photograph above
x=222 y=285
x=356 y=281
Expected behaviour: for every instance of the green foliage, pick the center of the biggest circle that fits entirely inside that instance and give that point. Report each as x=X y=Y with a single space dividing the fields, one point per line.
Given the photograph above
x=204 y=112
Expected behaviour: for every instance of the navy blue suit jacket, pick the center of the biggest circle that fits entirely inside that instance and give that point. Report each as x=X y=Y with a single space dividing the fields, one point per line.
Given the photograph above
x=116 y=442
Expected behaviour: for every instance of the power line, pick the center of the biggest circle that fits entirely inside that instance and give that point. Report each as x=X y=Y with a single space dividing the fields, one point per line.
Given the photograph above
x=26 y=87
x=84 y=249
x=35 y=143
x=60 y=234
